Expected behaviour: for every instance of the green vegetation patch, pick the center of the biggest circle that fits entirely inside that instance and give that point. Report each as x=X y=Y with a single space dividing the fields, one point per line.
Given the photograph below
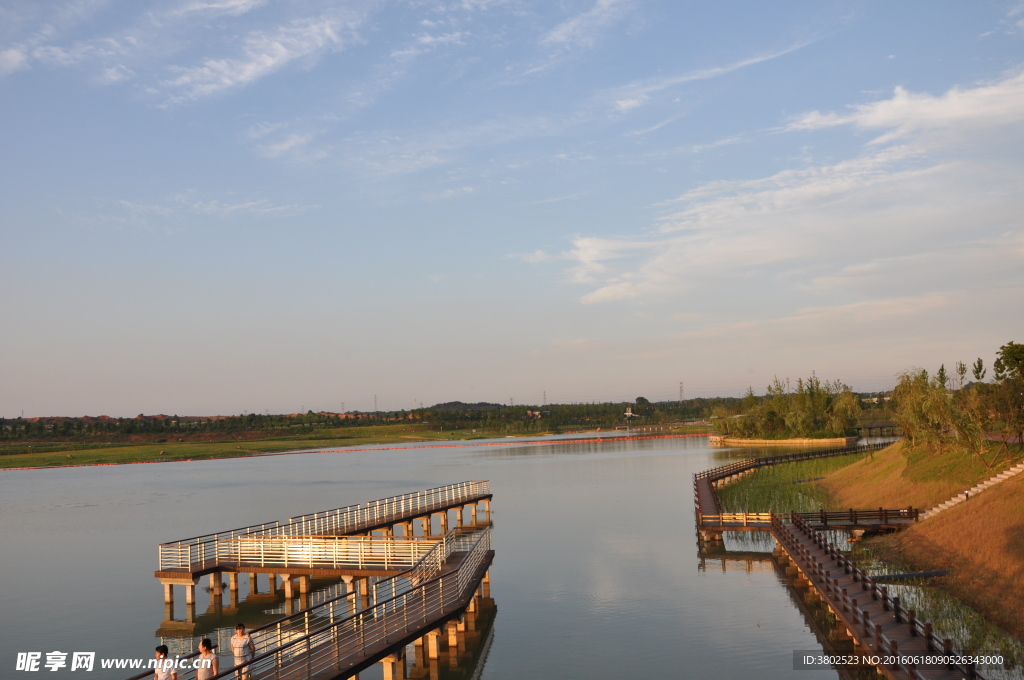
x=785 y=487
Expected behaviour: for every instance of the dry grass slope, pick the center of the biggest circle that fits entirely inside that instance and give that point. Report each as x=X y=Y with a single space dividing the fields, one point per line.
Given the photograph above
x=896 y=477
x=983 y=541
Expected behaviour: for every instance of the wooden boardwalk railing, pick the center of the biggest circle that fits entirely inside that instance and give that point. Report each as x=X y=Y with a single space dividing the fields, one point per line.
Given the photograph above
x=204 y=550
x=877 y=620
x=706 y=506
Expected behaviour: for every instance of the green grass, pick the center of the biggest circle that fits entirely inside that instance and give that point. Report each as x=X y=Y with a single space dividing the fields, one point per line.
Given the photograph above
x=785 y=487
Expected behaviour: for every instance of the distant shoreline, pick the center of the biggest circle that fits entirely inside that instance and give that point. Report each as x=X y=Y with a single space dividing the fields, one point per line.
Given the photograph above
x=425 y=444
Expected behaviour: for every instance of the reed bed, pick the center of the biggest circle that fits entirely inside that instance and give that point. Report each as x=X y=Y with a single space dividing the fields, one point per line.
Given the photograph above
x=786 y=487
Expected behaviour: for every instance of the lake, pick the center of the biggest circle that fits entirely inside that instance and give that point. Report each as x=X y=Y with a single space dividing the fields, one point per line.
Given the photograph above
x=596 y=572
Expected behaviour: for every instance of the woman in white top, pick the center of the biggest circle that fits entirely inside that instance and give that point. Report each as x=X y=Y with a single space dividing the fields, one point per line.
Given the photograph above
x=207 y=655
x=243 y=649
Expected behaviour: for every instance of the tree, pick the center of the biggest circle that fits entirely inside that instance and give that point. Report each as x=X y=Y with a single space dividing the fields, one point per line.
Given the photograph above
x=1010 y=361
x=979 y=370
x=941 y=377
x=961 y=373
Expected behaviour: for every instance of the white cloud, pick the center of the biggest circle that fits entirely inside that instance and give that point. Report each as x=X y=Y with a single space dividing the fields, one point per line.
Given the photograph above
x=211 y=8
x=450 y=193
x=955 y=111
x=264 y=52
x=936 y=214
x=11 y=60
x=585 y=28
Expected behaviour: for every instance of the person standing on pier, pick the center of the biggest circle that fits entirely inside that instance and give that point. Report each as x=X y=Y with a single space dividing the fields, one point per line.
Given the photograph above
x=207 y=654
x=164 y=671
x=244 y=650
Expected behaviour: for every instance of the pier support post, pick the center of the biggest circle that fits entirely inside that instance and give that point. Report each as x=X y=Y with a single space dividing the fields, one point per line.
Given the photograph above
x=458 y=515
x=433 y=644
x=394 y=666
x=289 y=592
x=486 y=506
x=169 y=593
x=254 y=585
x=216 y=585
x=444 y=521
x=233 y=580
x=453 y=636
x=304 y=584
x=472 y=513
x=190 y=594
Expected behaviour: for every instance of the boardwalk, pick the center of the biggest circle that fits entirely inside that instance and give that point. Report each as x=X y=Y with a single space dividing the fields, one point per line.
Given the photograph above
x=889 y=636
x=878 y=624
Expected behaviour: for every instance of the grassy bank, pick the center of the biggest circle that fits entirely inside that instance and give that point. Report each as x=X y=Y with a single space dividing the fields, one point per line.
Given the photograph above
x=57 y=454
x=899 y=476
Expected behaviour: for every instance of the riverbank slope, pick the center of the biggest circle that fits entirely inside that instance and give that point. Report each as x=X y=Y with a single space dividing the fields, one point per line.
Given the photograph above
x=982 y=540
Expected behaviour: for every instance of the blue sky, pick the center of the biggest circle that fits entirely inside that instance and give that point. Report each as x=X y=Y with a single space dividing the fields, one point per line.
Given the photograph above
x=218 y=206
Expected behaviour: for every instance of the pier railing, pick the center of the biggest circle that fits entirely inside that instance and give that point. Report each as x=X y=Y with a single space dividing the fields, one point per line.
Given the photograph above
x=186 y=553
x=736 y=467
x=847 y=603
x=837 y=519
x=334 y=552
x=355 y=517
x=202 y=551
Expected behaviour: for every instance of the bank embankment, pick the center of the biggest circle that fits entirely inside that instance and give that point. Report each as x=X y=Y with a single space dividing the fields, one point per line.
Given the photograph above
x=981 y=540
x=721 y=440
x=898 y=476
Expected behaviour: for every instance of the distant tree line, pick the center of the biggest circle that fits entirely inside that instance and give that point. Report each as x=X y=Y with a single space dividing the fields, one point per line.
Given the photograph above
x=488 y=417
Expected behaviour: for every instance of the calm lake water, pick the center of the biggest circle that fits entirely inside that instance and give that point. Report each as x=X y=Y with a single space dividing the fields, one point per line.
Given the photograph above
x=596 y=575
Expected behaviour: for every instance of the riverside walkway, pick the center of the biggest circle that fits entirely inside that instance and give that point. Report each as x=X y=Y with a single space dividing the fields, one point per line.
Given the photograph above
x=442 y=580
x=881 y=629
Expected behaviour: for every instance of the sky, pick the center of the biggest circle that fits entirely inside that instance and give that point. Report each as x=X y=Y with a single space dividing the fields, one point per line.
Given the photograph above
x=234 y=206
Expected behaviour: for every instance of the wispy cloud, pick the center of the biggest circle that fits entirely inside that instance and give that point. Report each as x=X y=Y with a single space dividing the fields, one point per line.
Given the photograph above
x=263 y=53
x=637 y=93
x=584 y=29
x=943 y=203
x=165 y=215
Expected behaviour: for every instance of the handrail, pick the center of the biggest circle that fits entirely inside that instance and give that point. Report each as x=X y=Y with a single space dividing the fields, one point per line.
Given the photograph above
x=202 y=550
x=352 y=517
x=785 y=533
x=728 y=469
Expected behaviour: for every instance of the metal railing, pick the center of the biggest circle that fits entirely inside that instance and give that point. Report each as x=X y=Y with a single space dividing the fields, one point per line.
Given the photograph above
x=820 y=575
x=201 y=552
x=280 y=642
x=189 y=552
x=333 y=635
x=334 y=552
x=393 y=509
